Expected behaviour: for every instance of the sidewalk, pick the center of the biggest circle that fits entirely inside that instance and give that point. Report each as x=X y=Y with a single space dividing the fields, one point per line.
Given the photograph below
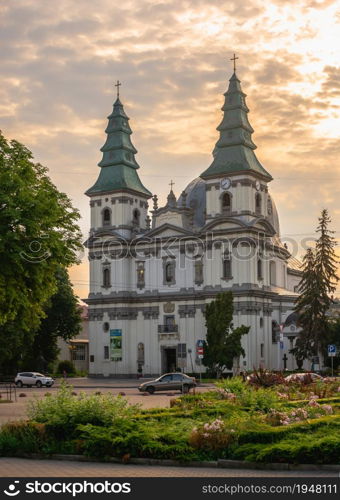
x=23 y=467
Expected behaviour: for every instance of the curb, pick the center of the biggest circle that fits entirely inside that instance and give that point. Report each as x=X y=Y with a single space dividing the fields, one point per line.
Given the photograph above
x=220 y=463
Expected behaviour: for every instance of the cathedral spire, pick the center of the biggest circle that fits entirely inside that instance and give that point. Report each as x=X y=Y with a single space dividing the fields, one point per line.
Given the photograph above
x=234 y=151
x=118 y=165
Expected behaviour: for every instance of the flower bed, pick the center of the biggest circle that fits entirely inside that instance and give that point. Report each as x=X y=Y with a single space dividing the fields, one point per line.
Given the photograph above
x=235 y=421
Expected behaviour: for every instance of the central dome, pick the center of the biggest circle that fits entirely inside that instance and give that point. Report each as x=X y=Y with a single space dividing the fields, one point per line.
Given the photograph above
x=195 y=199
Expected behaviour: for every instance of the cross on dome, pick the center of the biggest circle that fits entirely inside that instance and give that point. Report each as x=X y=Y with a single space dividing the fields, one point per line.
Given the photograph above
x=118 y=84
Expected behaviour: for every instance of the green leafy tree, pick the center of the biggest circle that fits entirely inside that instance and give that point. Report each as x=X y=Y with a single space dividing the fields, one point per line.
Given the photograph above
x=63 y=319
x=223 y=342
x=316 y=287
x=38 y=235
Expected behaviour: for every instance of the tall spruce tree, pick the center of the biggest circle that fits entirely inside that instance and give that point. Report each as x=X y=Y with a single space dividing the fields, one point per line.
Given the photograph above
x=223 y=342
x=317 y=285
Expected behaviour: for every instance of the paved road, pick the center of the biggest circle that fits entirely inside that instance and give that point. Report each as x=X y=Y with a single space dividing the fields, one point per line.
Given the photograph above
x=18 y=409
x=21 y=467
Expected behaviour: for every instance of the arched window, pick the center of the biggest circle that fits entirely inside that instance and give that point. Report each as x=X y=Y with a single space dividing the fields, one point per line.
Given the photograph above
x=272 y=273
x=275 y=331
x=259 y=269
x=140 y=354
x=106 y=217
x=227 y=266
x=136 y=217
x=168 y=272
x=106 y=277
x=258 y=203
x=226 y=203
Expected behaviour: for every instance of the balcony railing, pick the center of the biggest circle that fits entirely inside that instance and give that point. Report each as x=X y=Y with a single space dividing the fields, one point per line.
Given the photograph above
x=167 y=328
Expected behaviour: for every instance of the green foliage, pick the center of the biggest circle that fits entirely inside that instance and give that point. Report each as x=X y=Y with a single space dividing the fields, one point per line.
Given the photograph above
x=66 y=366
x=318 y=283
x=63 y=412
x=265 y=378
x=223 y=342
x=234 y=385
x=39 y=234
x=63 y=319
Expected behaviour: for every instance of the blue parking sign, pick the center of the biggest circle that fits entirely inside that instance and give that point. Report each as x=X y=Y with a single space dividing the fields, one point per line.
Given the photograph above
x=331 y=350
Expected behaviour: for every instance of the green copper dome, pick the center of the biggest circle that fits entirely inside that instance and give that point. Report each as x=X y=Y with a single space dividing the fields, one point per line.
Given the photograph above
x=118 y=165
x=234 y=151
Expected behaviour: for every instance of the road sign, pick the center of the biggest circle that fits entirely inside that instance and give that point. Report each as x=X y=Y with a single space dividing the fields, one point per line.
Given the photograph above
x=200 y=356
x=331 y=350
x=281 y=345
x=200 y=343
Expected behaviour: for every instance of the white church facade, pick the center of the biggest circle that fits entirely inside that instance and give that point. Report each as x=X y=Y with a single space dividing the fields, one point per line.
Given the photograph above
x=153 y=272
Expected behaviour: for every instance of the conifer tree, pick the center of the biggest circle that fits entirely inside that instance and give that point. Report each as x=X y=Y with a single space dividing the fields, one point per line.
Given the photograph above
x=318 y=282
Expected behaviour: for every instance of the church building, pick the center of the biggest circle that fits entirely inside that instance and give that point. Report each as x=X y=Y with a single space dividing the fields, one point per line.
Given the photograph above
x=154 y=268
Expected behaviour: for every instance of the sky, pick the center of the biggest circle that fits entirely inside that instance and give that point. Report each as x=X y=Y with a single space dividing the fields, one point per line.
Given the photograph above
x=60 y=61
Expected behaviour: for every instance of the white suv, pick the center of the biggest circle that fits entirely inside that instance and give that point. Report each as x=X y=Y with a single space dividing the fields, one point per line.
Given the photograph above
x=33 y=378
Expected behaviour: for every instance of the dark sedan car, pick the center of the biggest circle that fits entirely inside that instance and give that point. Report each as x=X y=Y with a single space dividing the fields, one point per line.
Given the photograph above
x=169 y=381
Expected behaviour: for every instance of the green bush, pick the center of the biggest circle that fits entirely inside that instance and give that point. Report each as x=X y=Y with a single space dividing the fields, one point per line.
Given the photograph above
x=259 y=399
x=66 y=366
x=234 y=385
x=63 y=412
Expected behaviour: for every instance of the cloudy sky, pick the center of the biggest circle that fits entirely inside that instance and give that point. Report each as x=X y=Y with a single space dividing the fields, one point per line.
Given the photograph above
x=60 y=60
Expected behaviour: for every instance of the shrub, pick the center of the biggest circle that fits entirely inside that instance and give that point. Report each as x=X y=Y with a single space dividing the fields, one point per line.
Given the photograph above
x=63 y=412
x=66 y=366
x=234 y=385
x=265 y=378
x=259 y=399
x=22 y=436
x=212 y=436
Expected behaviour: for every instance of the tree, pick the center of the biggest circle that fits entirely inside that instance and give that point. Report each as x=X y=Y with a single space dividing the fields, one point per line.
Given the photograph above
x=63 y=319
x=38 y=235
x=317 y=284
x=223 y=342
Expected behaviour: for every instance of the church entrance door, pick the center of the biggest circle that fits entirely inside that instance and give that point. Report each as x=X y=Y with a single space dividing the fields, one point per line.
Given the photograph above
x=169 y=359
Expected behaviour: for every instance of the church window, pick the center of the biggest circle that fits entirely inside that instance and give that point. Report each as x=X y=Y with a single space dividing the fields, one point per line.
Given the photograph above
x=262 y=350
x=227 y=266
x=275 y=330
x=136 y=217
x=169 y=272
x=106 y=217
x=258 y=203
x=140 y=354
x=272 y=273
x=106 y=277
x=269 y=206
x=226 y=203
x=198 y=272
x=106 y=352
x=259 y=269
x=261 y=322
x=140 y=274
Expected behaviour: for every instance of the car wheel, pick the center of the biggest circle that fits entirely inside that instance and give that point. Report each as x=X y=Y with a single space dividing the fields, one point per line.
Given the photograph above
x=150 y=389
x=185 y=389
x=19 y=383
x=38 y=384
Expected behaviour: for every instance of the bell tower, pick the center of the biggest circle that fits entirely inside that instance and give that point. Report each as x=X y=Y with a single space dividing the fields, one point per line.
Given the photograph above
x=119 y=201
